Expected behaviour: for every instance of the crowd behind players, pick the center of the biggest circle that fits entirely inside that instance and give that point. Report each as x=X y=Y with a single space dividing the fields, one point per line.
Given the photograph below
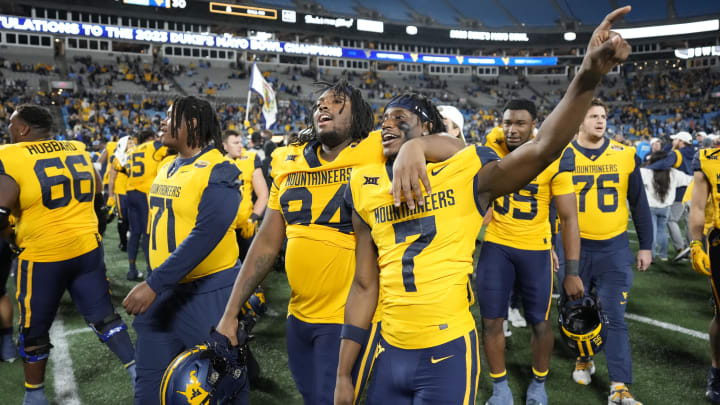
x=97 y=119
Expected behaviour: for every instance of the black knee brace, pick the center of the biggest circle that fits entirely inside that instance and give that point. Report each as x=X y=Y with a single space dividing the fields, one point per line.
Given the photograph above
x=108 y=326
x=41 y=343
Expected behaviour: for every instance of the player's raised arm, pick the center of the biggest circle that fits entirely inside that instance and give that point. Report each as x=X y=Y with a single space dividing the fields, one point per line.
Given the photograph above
x=605 y=50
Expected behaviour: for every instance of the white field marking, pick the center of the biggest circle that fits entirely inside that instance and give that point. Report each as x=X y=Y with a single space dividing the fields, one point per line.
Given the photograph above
x=77 y=331
x=66 y=391
x=660 y=324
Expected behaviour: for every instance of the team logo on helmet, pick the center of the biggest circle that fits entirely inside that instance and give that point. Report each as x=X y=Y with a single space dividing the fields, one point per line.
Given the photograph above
x=194 y=392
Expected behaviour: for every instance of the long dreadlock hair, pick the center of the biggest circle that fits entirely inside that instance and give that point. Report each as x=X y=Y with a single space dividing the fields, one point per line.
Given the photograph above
x=427 y=112
x=363 y=119
x=202 y=123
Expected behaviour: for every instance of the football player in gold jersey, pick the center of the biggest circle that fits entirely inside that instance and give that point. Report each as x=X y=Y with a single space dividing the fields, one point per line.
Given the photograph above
x=516 y=252
x=252 y=181
x=55 y=194
x=607 y=180
x=428 y=351
x=705 y=253
x=193 y=253
x=142 y=165
x=306 y=204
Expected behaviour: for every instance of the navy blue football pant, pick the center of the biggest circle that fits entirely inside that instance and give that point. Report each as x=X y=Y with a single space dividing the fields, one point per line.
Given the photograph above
x=41 y=285
x=138 y=209
x=313 y=355
x=178 y=320
x=446 y=374
x=501 y=268
x=606 y=268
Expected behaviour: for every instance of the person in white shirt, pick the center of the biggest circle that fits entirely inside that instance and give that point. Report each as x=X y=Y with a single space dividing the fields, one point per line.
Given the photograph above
x=660 y=188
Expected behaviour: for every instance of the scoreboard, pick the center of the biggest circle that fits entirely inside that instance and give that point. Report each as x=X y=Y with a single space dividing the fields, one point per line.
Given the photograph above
x=158 y=3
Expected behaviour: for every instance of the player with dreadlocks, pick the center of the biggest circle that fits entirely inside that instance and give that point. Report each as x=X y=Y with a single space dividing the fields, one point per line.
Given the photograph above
x=193 y=253
x=419 y=259
x=306 y=205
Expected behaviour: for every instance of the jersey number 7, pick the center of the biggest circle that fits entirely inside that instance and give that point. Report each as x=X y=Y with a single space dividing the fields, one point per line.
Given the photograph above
x=425 y=227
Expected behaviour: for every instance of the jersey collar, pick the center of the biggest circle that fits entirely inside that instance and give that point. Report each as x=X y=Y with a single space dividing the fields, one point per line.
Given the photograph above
x=310 y=153
x=180 y=162
x=592 y=154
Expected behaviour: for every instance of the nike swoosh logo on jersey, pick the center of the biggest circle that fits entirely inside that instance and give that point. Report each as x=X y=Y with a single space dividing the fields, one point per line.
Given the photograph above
x=435 y=172
x=433 y=360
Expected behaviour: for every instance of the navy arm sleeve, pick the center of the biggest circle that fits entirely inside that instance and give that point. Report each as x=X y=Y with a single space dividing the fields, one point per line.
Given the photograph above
x=640 y=208
x=665 y=163
x=696 y=167
x=216 y=213
x=552 y=217
x=258 y=162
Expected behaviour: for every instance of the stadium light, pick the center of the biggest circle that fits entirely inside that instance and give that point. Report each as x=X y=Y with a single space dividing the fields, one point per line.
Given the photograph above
x=668 y=30
x=569 y=36
x=411 y=30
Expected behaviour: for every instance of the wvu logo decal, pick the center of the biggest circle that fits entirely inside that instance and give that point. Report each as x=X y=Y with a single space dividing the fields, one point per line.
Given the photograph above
x=291 y=157
x=371 y=180
x=379 y=350
x=414 y=57
x=194 y=393
x=460 y=59
x=505 y=60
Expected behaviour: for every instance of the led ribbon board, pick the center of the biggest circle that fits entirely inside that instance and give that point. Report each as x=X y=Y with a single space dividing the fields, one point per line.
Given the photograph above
x=227 y=41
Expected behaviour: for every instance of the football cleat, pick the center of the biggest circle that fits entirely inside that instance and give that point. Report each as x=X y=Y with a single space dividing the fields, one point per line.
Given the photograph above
x=584 y=369
x=536 y=394
x=583 y=325
x=516 y=318
x=506 y=329
x=134 y=275
x=621 y=396
x=712 y=391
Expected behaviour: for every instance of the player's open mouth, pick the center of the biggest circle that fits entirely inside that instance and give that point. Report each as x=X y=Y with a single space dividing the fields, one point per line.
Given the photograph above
x=323 y=118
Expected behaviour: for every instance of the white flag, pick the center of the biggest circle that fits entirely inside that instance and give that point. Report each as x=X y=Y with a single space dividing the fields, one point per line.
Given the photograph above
x=259 y=85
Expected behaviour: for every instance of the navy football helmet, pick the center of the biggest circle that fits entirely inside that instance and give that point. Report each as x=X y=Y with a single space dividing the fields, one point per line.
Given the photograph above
x=583 y=325
x=212 y=373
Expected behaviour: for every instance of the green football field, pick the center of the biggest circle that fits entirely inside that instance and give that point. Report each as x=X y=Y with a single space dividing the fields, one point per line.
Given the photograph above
x=669 y=366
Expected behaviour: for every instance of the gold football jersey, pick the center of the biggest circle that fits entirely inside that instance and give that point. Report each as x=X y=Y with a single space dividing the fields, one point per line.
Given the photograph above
x=707 y=162
x=247 y=163
x=320 y=255
x=55 y=217
x=142 y=165
x=522 y=220
x=601 y=186
x=425 y=255
x=110 y=148
x=174 y=200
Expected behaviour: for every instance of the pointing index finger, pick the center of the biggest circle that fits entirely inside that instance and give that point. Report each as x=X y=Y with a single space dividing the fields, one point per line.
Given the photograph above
x=611 y=18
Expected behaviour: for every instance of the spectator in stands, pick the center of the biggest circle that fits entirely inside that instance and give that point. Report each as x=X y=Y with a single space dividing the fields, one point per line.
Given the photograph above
x=643 y=148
